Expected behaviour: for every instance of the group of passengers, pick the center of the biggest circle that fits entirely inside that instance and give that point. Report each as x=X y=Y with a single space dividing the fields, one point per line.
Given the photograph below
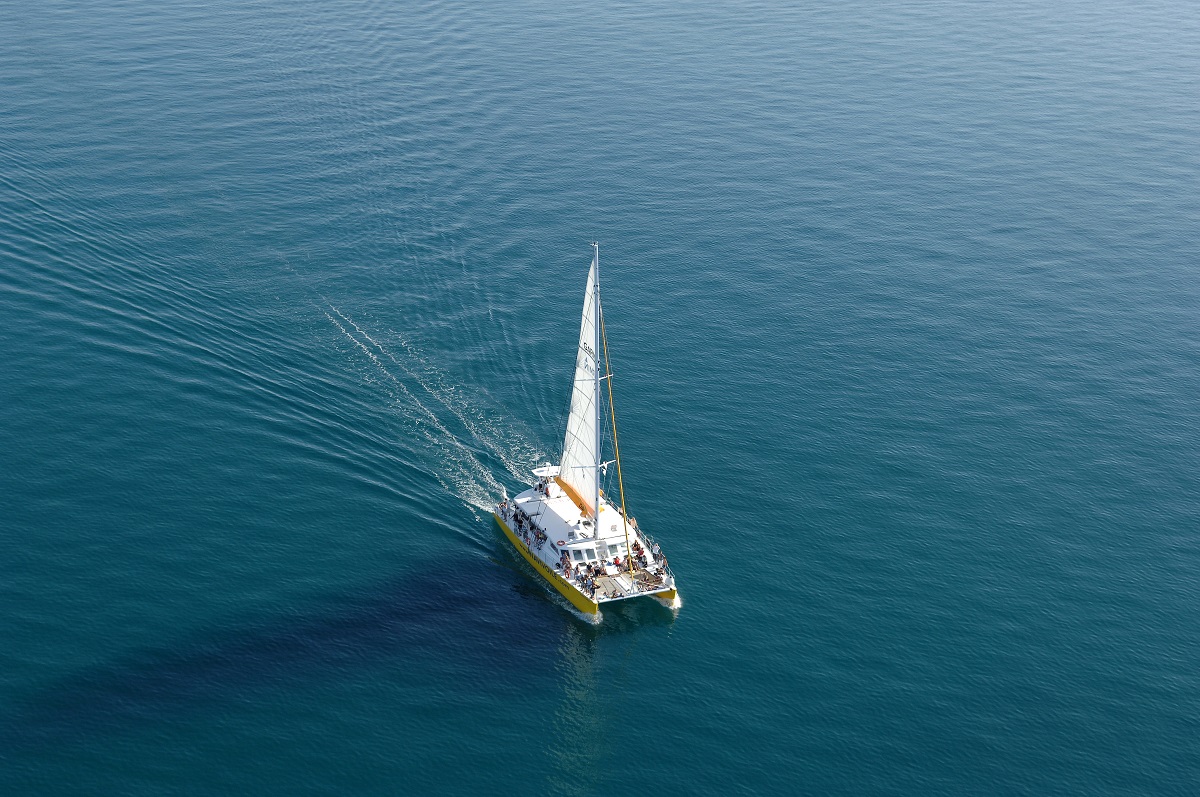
x=639 y=556
x=585 y=575
x=586 y=579
x=656 y=555
x=527 y=530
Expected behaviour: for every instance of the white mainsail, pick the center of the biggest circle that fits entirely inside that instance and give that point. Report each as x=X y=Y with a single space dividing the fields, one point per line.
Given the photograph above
x=579 y=471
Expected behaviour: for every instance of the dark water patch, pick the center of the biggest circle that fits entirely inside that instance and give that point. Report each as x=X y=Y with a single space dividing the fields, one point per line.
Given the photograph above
x=458 y=618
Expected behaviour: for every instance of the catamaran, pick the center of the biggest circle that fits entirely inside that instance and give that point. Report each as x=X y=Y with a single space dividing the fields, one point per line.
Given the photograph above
x=565 y=525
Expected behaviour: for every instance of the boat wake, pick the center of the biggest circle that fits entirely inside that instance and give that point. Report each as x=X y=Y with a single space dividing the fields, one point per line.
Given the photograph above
x=460 y=443
x=591 y=619
x=674 y=604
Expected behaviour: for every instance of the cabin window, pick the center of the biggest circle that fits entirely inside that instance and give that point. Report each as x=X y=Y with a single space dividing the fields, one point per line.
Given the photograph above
x=612 y=550
x=578 y=555
x=591 y=554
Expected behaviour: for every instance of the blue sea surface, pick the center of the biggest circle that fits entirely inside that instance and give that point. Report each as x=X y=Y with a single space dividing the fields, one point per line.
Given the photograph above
x=904 y=311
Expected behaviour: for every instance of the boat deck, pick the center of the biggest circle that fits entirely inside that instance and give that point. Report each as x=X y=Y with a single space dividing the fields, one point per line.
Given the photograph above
x=565 y=532
x=621 y=585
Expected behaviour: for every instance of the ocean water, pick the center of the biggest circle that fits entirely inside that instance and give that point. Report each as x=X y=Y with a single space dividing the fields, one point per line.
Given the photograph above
x=903 y=303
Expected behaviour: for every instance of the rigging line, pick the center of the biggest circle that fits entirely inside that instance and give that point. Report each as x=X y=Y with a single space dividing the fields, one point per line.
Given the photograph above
x=616 y=448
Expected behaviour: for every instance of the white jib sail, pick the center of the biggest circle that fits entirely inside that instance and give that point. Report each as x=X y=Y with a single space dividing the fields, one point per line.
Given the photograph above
x=581 y=454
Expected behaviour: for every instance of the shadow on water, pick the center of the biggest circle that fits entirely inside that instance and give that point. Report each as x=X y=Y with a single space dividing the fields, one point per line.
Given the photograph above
x=467 y=619
x=463 y=618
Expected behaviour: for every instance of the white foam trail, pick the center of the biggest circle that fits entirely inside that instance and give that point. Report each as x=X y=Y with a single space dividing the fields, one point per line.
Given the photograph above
x=444 y=394
x=447 y=395
x=428 y=436
x=487 y=433
x=591 y=619
x=674 y=604
x=476 y=486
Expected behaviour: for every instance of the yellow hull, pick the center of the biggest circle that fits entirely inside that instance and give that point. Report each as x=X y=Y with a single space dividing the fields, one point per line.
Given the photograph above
x=577 y=598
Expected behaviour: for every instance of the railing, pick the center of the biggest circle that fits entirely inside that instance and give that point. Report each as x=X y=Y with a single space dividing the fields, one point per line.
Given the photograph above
x=660 y=560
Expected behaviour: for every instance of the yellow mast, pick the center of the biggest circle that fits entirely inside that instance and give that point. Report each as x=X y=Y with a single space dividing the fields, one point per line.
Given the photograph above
x=616 y=447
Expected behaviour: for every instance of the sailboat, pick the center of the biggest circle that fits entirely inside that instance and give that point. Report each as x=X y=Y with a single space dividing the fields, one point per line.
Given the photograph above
x=582 y=543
